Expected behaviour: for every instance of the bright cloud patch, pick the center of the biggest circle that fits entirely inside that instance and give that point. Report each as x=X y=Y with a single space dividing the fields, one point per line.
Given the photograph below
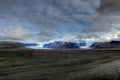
x=18 y=33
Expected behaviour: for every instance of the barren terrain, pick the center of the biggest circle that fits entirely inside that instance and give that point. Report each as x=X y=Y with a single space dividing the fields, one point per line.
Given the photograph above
x=59 y=64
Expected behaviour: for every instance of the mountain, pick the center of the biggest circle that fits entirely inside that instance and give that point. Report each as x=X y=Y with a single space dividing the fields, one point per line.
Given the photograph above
x=28 y=44
x=111 y=44
x=61 y=45
x=10 y=45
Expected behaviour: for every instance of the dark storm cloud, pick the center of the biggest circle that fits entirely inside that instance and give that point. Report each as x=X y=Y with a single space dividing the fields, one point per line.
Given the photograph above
x=110 y=5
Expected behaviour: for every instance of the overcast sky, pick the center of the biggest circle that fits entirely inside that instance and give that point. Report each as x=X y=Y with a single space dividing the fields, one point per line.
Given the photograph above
x=67 y=20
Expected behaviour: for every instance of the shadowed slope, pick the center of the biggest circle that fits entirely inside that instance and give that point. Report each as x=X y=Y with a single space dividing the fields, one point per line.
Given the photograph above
x=10 y=45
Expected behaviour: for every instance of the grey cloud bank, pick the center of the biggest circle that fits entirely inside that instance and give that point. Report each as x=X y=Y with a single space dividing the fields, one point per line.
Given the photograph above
x=68 y=20
x=110 y=5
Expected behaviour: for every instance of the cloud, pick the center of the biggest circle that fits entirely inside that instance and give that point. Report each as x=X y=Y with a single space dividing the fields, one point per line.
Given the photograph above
x=18 y=33
x=49 y=20
x=46 y=33
x=110 y=6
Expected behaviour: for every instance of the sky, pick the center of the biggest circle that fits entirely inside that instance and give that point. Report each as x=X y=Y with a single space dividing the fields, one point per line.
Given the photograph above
x=59 y=20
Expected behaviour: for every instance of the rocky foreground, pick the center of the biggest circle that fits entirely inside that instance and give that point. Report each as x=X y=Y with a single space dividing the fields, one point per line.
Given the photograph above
x=59 y=64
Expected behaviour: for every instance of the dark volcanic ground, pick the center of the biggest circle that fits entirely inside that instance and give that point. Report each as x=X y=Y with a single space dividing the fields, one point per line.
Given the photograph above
x=59 y=65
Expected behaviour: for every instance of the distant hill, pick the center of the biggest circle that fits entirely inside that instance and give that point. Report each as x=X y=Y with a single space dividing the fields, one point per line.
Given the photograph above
x=111 y=44
x=28 y=44
x=10 y=45
x=73 y=45
x=61 y=45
